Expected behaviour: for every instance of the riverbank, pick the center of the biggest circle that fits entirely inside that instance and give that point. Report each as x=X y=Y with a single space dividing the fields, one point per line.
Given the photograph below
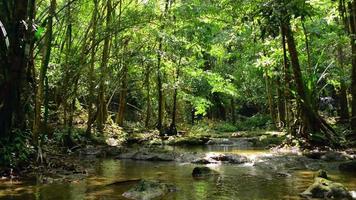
x=247 y=148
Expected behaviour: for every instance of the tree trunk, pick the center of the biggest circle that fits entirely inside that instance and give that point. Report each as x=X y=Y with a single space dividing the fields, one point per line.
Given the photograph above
x=287 y=84
x=271 y=105
x=343 y=110
x=148 y=100
x=43 y=72
x=173 y=126
x=102 y=108
x=233 y=108
x=281 y=104
x=342 y=93
x=311 y=121
x=91 y=99
x=13 y=65
x=305 y=32
x=159 y=88
x=352 y=9
x=123 y=94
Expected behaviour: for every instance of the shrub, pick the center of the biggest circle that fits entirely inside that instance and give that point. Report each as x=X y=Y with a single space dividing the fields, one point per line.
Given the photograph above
x=15 y=148
x=255 y=122
x=225 y=127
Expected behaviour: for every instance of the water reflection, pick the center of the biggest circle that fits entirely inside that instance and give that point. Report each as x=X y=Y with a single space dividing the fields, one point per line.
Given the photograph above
x=234 y=182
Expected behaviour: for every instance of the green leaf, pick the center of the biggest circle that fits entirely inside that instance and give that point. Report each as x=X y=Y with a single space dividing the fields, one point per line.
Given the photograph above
x=39 y=32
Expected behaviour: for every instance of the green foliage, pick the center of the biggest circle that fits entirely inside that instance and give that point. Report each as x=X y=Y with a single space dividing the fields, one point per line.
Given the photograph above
x=255 y=122
x=225 y=127
x=15 y=149
x=39 y=32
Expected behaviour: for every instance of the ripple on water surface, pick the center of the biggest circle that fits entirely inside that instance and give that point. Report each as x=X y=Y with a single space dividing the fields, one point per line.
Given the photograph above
x=240 y=182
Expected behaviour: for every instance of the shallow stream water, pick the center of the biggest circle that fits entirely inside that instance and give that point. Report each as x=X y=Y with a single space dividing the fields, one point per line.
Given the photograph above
x=235 y=182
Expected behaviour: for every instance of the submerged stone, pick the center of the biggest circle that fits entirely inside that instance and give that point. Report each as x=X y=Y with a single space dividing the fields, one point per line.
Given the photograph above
x=149 y=156
x=147 y=189
x=199 y=172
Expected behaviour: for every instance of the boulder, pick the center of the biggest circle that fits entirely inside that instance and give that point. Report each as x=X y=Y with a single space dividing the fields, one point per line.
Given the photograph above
x=348 y=167
x=314 y=154
x=334 y=156
x=146 y=190
x=323 y=188
x=199 y=172
x=203 y=161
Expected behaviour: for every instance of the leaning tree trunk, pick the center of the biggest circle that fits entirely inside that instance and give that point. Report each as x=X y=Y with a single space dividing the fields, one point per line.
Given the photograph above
x=311 y=121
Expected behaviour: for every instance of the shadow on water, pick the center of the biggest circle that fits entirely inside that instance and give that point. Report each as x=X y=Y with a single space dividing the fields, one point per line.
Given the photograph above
x=240 y=182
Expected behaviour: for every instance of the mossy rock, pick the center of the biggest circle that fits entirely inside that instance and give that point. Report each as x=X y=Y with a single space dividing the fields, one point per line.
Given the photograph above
x=323 y=188
x=321 y=174
x=201 y=172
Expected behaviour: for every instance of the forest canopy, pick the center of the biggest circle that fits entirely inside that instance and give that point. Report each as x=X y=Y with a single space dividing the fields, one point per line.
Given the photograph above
x=74 y=69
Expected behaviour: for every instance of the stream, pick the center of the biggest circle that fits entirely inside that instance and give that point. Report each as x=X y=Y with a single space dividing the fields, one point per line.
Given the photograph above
x=238 y=182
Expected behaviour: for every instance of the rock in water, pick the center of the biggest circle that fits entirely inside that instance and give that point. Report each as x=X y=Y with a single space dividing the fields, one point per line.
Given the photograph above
x=321 y=174
x=323 y=188
x=199 y=172
x=146 y=190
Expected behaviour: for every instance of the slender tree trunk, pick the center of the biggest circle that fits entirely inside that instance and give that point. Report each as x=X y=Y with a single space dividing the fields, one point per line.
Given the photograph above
x=159 y=71
x=287 y=83
x=43 y=72
x=281 y=104
x=173 y=126
x=159 y=88
x=148 y=100
x=123 y=90
x=271 y=105
x=102 y=108
x=91 y=99
x=66 y=82
x=352 y=9
x=342 y=93
x=233 y=108
x=123 y=94
x=307 y=46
